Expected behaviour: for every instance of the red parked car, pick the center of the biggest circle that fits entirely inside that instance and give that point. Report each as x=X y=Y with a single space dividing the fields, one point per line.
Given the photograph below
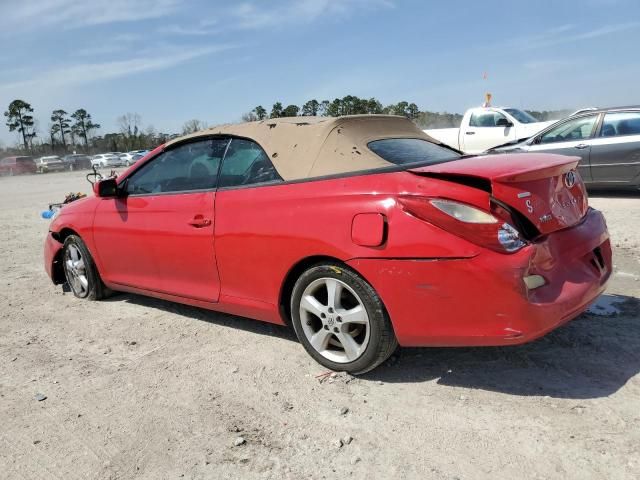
x=17 y=165
x=361 y=232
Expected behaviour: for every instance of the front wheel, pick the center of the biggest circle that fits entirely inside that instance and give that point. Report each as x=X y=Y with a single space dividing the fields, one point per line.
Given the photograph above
x=80 y=270
x=340 y=319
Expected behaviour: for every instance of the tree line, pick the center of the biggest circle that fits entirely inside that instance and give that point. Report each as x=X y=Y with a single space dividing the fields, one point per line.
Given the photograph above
x=353 y=105
x=64 y=128
x=348 y=105
x=78 y=130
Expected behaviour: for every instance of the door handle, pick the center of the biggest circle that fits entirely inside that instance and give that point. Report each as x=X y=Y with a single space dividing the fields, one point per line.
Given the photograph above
x=470 y=133
x=199 y=222
x=581 y=146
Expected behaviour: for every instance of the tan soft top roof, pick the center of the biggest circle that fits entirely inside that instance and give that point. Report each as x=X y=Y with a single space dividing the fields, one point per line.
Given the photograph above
x=305 y=147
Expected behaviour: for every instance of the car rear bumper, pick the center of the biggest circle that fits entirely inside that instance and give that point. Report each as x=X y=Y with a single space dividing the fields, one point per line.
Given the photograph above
x=52 y=258
x=483 y=300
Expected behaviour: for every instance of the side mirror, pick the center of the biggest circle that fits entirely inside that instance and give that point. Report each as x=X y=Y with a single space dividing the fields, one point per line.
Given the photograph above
x=503 y=122
x=107 y=188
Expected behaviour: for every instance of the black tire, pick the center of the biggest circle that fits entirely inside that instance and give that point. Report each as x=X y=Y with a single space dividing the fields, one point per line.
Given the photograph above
x=382 y=340
x=95 y=289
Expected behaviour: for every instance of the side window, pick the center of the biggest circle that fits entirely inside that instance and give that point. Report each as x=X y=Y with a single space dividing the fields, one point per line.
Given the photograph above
x=246 y=164
x=571 y=131
x=487 y=119
x=620 y=124
x=192 y=166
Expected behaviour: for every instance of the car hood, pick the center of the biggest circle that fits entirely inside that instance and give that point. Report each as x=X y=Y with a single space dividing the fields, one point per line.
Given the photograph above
x=513 y=146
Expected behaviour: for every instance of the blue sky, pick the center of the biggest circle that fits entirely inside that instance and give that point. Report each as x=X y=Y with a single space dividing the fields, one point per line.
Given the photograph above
x=173 y=60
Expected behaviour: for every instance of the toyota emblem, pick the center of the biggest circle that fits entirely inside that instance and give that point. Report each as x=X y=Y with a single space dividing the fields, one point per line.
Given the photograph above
x=570 y=179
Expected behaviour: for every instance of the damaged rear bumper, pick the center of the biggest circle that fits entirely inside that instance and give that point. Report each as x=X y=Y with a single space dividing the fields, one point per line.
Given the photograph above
x=484 y=300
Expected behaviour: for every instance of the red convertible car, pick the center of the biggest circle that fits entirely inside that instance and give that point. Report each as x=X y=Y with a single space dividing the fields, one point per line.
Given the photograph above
x=360 y=232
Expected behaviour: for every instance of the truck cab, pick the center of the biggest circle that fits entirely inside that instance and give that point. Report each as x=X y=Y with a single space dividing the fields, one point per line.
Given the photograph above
x=483 y=128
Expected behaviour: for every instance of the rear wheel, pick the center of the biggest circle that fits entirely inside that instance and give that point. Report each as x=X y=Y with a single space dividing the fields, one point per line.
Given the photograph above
x=340 y=320
x=80 y=270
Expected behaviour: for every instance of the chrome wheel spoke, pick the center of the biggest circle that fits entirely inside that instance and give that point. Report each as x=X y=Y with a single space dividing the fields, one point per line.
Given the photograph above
x=334 y=290
x=320 y=339
x=75 y=283
x=311 y=305
x=74 y=253
x=355 y=315
x=80 y=266
x=351 y=347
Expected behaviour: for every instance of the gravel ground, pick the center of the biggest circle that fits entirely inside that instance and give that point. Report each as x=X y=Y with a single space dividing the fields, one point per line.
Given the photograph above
x=142 y=388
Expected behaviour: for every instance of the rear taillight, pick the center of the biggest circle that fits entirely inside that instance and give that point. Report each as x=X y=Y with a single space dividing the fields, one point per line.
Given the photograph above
x=488 y=229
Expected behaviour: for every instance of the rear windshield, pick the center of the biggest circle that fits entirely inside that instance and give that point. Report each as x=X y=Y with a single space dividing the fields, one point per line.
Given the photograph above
x=407 y=151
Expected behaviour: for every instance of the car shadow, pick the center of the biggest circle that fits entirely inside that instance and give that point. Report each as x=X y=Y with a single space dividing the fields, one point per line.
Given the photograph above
x=593 y=356
x=590 y=357
x=210 y=316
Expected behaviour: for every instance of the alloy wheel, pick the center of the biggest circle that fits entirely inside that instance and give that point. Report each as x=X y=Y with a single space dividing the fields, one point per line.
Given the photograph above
x=334 y=320
x=76 y=272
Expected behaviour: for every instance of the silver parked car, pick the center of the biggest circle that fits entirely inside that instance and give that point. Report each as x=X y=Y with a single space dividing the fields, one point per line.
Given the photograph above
x=106 y=160
x=607 y=140
x=51 y=163
x=129 y=158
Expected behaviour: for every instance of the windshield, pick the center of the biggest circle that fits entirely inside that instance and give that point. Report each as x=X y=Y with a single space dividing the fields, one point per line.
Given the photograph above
x=406 y=151
x=521 y=116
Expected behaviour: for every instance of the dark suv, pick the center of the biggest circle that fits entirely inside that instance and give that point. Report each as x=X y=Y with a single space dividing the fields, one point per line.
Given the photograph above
x=17 y=165
x=77 y=161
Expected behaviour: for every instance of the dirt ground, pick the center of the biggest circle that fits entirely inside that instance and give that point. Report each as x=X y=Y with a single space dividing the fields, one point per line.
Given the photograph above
x=142 y=388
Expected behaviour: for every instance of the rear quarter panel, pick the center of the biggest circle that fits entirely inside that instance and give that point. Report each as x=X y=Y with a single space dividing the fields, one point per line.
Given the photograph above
x=262 y=232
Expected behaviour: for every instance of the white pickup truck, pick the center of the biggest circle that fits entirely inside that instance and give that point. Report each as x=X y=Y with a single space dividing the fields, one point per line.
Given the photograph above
x=483 y=128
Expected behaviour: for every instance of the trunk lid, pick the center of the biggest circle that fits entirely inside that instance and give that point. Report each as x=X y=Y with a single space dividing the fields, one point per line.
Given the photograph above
x=544 y=188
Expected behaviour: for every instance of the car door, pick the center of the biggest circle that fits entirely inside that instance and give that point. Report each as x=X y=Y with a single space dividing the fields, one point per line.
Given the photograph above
x=615 y=152
x=572 y=137
x=246 y=221
x=487 y=129
x=158 y=234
